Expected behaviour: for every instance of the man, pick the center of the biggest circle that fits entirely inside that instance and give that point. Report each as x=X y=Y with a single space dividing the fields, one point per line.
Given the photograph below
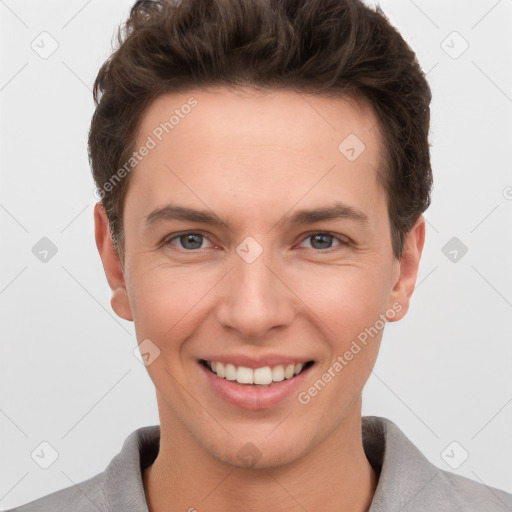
x=263 y=167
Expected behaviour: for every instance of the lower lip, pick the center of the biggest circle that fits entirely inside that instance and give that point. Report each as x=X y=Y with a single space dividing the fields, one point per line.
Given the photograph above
x=251 y=397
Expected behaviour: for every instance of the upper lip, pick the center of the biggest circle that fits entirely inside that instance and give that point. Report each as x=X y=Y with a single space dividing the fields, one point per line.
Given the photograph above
x=256 y=362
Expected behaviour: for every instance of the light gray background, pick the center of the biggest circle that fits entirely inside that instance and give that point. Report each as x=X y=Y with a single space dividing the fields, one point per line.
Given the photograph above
x=68 y=374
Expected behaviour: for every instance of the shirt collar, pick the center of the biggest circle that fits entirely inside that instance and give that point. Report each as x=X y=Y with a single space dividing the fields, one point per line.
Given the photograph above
x=403 y=472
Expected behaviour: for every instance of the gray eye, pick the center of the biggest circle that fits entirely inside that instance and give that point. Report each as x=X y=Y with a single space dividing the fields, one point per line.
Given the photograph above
x=191 y=240
x=321 y=240
x=188 y=240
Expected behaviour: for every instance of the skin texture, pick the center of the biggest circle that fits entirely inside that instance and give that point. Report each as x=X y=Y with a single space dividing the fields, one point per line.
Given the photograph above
x=252 y=158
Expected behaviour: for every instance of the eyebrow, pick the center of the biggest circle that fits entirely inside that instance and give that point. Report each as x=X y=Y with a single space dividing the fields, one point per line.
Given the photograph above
x=335 y=211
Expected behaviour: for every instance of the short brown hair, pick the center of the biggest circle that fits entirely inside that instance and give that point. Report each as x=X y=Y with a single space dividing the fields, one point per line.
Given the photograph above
x=323 y=47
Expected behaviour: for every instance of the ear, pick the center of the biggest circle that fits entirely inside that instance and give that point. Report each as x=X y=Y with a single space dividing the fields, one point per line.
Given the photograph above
x=111 y=264
x=407 y=270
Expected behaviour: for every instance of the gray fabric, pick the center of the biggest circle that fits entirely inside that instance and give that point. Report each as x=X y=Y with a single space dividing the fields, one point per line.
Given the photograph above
x=407 y=480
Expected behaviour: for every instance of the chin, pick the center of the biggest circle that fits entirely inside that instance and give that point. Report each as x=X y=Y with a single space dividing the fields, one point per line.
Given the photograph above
x=247 y=452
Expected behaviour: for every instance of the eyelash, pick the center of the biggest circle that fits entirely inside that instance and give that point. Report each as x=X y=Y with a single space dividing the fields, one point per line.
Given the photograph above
x=342 y=241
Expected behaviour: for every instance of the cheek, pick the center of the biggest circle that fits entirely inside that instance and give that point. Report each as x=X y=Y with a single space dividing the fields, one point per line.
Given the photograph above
x=347 y=299
x=165 y=301
x=348 y=302
x=347 y=305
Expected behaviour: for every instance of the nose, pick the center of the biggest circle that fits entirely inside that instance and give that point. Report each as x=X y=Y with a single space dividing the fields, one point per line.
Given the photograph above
x=257 y=298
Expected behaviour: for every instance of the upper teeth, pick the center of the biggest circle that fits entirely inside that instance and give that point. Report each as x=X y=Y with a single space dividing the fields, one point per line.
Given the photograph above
x=262 y=376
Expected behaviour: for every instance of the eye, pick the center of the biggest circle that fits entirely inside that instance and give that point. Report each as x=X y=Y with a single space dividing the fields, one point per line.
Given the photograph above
x=189 y=241
x=193 y=241
x=320 y=241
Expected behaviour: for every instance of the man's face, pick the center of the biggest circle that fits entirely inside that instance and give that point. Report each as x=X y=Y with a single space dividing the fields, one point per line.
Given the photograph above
x=262 y=288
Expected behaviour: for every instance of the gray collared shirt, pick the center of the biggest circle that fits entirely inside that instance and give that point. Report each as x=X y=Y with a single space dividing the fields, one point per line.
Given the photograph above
x=407 y=481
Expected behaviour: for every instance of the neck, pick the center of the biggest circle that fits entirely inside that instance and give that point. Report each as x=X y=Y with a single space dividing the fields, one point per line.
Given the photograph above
x=335 y=475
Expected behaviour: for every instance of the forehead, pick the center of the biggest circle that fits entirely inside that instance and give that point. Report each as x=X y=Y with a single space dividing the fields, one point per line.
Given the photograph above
x=274 y=117
x=269 y=146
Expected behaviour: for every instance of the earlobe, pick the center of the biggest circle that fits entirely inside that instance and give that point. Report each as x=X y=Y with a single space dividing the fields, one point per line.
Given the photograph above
x=111 y=264
x=408 y=270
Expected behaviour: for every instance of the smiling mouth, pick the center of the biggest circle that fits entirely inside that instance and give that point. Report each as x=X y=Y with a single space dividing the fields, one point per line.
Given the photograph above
x=265 y=376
